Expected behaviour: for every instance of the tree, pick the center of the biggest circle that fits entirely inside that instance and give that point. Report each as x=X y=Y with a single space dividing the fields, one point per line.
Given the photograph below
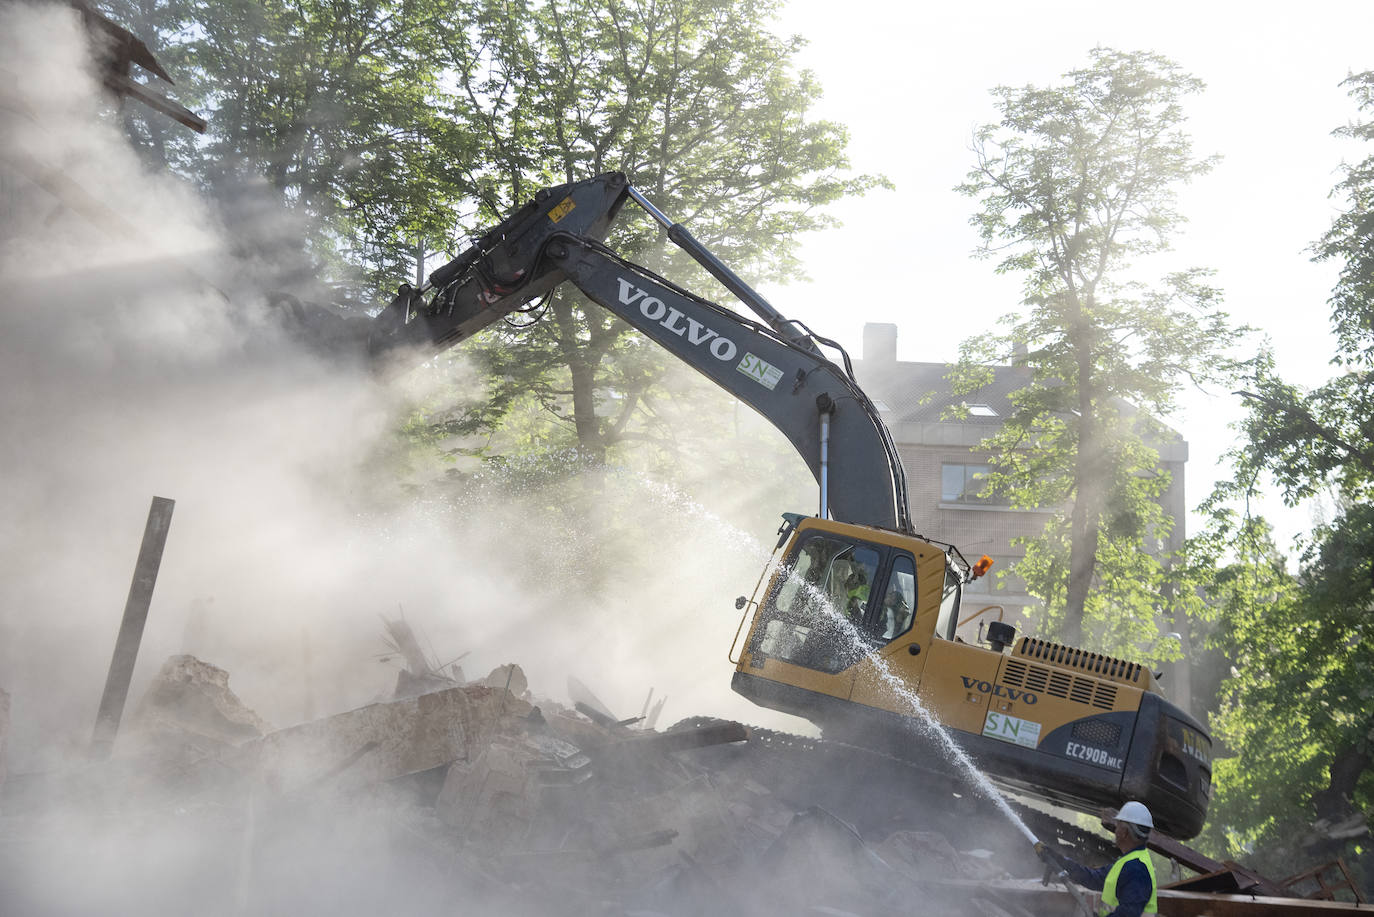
x=697 y=101
x=1301 y=713
x=334 y=107
x=394 y=127
x=1074 y=182
x=1294 y=728
x=1325 y=437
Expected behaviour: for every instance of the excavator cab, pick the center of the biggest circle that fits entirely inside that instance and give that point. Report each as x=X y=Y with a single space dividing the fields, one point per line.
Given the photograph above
x=855 y=629
x=841 y=597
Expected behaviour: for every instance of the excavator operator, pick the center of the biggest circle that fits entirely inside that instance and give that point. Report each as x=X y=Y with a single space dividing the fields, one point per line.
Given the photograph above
x=1128 y=885
x=896 y=616
x=856 y=595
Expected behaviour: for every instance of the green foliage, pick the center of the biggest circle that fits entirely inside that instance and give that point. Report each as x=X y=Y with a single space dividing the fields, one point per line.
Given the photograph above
x=1299 y=695
x=1350 y=241
x=1309 y=440
x=699 y=104
x=334 y=106
x=1298 y=712
x=1074 y=181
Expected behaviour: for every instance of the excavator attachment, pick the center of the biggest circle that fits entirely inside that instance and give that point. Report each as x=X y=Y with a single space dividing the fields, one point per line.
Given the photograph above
x=503 y=270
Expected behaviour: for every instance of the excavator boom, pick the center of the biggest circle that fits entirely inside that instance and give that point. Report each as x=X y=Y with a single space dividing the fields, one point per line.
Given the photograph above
x=777 y=369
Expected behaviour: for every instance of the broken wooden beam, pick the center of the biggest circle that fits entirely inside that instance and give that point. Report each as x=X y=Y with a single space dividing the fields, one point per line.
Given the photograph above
x=1182 y=854
x=1053 y=900
x=116 y=51
x=1324 y=890
x=1175 y=903
x=1216 y=877
x=124 y=87
x=596 y=716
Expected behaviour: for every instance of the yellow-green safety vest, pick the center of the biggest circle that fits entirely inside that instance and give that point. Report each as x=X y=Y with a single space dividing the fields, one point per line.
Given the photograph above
x=1109 y=901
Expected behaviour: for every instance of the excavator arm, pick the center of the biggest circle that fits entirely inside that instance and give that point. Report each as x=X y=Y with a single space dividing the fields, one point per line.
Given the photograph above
x=776 y=368
x=795 y=388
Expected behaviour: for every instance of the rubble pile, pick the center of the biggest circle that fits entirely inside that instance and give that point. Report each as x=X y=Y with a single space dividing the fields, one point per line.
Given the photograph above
x=477 y=794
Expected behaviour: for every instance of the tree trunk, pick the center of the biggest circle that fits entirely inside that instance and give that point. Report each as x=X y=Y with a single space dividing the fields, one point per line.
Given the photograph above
x=1339 y=821
x=1084 y=520
x=1336 y=801
x=1083 y=535
x=583 y=374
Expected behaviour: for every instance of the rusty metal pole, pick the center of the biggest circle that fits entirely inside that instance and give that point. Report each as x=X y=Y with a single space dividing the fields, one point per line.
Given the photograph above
x=131 y=629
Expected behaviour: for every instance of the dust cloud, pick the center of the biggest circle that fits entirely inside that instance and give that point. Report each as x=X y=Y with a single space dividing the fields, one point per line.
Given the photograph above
x=139 y=357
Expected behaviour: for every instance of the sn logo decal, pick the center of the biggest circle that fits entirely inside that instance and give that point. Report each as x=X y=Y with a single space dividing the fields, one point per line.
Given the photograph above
x=656 y=310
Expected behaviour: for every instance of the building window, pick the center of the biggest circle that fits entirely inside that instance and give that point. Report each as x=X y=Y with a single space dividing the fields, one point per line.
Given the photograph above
x=963 y=483
x=981 y=410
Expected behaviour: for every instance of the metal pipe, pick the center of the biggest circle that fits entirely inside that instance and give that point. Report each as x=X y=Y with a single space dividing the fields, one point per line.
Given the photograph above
x=825 y=466
x=826 y=405
x=732 y=281
x=654 y=212
x=131 y=628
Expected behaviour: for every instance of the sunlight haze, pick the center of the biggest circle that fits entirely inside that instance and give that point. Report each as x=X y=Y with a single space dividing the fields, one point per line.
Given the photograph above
x=912 y=84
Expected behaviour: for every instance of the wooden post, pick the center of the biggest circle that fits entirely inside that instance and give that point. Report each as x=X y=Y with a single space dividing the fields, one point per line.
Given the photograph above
x=131 y=629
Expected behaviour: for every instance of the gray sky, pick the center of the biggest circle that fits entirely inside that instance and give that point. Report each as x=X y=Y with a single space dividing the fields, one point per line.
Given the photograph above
x=911 y=82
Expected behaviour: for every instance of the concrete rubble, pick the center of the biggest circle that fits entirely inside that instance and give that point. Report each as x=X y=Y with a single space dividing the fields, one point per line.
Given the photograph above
x=190 y=700
x=491 y=793
x=479 y=793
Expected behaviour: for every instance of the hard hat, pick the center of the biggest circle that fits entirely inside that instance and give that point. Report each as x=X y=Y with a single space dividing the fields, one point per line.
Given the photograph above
x=1136 y=814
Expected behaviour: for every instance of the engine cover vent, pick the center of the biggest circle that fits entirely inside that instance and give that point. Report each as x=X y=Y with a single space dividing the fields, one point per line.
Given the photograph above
x=1080 y=688
x=1095 y=663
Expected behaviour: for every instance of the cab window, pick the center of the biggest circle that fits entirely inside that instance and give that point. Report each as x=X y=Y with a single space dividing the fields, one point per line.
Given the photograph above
x=822 y=597
x=899 y=599
x=948 y=619
x=828 y=576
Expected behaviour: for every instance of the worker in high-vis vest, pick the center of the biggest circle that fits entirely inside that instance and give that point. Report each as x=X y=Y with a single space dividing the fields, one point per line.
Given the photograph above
x=1128 y=885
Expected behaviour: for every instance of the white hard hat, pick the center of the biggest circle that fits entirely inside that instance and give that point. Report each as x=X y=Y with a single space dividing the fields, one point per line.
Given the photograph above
x=1136 y=814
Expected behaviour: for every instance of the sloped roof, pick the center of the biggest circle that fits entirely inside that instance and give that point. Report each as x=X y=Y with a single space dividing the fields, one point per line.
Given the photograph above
x=920 y=393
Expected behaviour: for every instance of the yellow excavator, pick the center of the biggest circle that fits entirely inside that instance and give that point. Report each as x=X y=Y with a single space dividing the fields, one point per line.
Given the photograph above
x=855 y=630
x=853 y=625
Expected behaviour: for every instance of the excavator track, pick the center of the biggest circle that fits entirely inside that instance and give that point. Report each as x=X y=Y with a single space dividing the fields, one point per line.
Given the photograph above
x=879 y=793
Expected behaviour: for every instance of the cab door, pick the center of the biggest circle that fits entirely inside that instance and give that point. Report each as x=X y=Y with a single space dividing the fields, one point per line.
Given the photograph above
x=900 y=627
x=948 y=676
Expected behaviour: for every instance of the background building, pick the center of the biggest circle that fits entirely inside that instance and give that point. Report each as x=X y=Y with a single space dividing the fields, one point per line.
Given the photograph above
x=945 y=468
